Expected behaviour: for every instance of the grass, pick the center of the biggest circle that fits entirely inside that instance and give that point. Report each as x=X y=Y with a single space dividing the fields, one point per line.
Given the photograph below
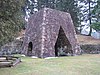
x=78 y=65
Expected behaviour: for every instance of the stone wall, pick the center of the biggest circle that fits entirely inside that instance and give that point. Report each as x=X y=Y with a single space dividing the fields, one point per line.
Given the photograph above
x=11 y=48
x=90 y=49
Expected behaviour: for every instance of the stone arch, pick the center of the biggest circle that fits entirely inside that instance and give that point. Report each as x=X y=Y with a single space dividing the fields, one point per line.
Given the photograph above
x=30 y=47
x=62 y=45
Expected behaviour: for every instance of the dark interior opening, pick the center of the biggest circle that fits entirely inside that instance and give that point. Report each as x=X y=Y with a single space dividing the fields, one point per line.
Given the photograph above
x=30 y=46
x=62 y=45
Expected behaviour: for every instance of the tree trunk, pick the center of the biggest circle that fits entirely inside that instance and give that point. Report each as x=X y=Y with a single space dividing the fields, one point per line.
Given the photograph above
x=90 y=19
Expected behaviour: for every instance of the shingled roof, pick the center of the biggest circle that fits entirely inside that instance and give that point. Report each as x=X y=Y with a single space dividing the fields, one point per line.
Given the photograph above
x=48 y=30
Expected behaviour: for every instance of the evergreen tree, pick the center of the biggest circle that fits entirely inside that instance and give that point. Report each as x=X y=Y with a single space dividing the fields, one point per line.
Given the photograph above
x=96 y=11
x=87 y=6
x=96 y=16
x=11 y=19
x=46 y=3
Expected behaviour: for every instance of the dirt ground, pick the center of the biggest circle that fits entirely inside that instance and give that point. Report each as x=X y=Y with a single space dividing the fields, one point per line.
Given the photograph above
x=82 y=39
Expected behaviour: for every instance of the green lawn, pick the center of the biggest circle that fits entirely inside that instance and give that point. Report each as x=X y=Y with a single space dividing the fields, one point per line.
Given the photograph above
x=73 y=65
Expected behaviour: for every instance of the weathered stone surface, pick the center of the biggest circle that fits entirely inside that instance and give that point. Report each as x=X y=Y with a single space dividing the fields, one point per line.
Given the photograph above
x=43 y=29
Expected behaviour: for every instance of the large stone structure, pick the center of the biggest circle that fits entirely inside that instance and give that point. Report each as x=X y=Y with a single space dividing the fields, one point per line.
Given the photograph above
x=50 y=32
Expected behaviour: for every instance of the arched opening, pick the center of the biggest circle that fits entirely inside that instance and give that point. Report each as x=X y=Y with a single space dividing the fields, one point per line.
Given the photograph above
x=62 y=45
x=30 y=46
